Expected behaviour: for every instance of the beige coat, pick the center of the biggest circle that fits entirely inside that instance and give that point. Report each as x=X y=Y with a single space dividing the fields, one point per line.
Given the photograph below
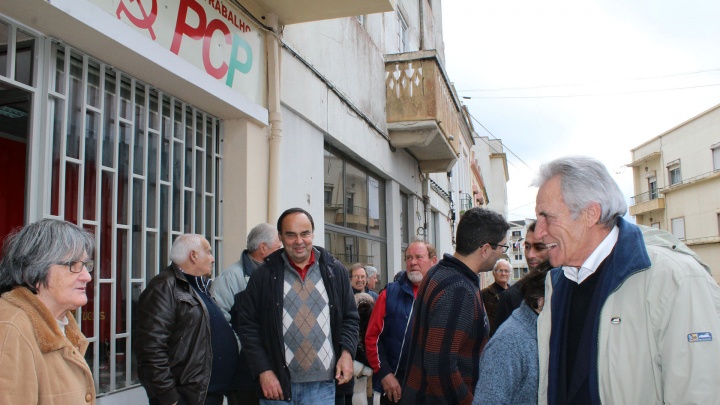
x=659 y=333
x=38 y=365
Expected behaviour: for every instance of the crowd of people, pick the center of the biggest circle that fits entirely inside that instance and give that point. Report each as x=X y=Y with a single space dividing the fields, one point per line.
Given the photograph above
x=608 y=313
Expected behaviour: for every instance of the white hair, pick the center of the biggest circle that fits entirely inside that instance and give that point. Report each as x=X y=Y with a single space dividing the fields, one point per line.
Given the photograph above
x=502 y=261
x=183 y=245
x=261 y=233
x=371 y=271
x=583 y=181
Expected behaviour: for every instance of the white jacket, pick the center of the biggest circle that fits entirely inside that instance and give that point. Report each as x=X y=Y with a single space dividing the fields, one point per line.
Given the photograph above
x=659 y=327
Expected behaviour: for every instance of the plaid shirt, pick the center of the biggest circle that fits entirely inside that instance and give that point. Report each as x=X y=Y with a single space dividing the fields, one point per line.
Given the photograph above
x=449 y=330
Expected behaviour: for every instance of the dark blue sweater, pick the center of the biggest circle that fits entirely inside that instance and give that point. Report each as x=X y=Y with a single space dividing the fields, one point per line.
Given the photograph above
x=222 y=339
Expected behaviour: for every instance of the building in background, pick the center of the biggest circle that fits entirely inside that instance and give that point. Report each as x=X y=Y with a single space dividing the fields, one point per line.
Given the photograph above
x=676 y=177
x=142 y=120
x=516 y=253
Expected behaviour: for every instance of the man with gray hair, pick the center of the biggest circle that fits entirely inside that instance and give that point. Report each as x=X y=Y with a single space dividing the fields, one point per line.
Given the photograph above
x=491 y=294
x=629 y=312
x=372 y=279
x=186 y=351
x=261 y=241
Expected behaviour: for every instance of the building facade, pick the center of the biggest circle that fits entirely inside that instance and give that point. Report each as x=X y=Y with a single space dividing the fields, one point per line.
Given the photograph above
x=142 y=120
x=677 y=184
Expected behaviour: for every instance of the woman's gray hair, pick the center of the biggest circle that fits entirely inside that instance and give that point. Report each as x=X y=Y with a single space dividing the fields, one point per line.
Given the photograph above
x=29 y=252
x=261 y=233
x=584 y=180
x=183 y=245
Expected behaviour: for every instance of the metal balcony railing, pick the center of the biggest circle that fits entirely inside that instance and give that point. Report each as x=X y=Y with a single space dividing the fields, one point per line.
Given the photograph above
x=465 y=201
x=646 y=196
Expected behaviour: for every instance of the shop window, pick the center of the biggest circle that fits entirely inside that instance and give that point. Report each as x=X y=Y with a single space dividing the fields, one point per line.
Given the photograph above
x=354 y=213
x=136 y=167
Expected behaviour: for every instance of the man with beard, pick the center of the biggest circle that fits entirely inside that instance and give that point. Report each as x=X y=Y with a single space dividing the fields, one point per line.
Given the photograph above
x=536 y=256
x=388 y=324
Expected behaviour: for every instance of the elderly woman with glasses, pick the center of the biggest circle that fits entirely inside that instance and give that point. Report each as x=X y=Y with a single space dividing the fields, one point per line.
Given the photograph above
x=44 y=274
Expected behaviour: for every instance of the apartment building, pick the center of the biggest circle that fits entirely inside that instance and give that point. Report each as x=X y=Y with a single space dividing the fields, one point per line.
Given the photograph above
x=142 y=120
x=677 y=184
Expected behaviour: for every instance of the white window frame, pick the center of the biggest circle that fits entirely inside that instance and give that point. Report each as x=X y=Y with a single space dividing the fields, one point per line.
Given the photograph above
x=716 y=156
x=403 y=32
x=674 y=172
x=677 y=226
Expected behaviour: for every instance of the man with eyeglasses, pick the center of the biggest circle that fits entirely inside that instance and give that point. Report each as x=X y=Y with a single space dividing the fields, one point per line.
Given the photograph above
x=299 y=322
x=449 y=327
x=358 y=278
x=491 y=293
x=187 y=352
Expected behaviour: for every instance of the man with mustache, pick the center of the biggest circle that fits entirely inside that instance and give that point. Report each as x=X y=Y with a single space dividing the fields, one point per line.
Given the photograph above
x=386 y=333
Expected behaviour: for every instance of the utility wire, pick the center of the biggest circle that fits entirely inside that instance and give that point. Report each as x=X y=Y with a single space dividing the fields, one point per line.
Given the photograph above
x=593 y=83
x=505 y=146
x=596 y=94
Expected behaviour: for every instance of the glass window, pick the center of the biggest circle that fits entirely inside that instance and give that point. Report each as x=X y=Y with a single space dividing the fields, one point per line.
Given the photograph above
x=404 y=220
x=674 y=174
x=351 y=249
x=678 y=227
x=356 y=196
x=652 y=188
x=402 y=32
x=120 y=173
x=716 y=158
x=354 y=213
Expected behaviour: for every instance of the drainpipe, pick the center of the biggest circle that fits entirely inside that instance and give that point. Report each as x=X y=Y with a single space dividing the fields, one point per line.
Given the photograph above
x=422 y=24
x=272 y=42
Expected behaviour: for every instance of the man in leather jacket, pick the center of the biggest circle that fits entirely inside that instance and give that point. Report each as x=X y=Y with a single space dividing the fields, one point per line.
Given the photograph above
x=187 y=352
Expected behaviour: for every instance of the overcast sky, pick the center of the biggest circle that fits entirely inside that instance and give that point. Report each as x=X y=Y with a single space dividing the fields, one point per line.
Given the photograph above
x=597 y=78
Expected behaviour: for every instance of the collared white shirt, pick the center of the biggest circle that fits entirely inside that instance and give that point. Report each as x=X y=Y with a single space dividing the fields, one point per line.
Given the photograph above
x=593 y=261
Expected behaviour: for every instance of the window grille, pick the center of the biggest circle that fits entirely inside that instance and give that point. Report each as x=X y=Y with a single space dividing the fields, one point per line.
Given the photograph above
x=136 y=167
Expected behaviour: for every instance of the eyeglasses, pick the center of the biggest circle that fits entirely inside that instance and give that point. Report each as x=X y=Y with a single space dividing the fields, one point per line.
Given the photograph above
x=358 y=277
x=504 y=247
x=74 y=268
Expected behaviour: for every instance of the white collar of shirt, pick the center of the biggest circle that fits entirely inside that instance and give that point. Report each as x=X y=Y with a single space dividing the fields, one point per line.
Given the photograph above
x=62 y=324
x=594 y=260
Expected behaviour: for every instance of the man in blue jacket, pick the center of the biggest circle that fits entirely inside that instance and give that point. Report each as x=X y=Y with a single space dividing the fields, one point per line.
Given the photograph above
x=386 y=333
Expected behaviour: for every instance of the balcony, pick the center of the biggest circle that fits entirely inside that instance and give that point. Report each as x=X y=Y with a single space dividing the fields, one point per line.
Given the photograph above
x=647 y=202
x=299 y=11
x=424 y=114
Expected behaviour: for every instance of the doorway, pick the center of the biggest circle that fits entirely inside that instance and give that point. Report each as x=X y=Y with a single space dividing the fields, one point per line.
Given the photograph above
x=14 y=135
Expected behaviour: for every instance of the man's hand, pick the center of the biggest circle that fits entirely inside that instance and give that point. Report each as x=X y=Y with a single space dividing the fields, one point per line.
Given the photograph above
x=271 y=386
x=344 y=368
x=391 y=386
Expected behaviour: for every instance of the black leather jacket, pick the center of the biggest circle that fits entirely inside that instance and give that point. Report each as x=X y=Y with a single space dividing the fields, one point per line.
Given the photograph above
x=260 y=315
x=172 y=340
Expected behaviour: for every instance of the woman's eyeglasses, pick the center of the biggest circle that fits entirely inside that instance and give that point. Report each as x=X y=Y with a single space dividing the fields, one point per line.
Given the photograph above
x=74 y=267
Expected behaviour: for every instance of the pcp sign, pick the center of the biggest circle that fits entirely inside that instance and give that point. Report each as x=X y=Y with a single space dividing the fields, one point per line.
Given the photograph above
x=210 y=34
